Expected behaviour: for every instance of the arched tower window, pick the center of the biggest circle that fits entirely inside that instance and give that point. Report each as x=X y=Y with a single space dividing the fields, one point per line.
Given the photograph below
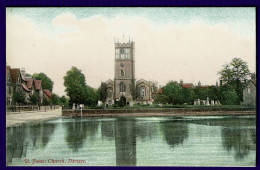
x=122 y=87
x=122 y=73
x=142 y=91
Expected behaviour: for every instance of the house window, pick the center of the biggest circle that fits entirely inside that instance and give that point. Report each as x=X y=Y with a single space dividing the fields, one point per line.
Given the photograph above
x=142 y=91
x=122 y=87
x=248 y=89
x=122 y=73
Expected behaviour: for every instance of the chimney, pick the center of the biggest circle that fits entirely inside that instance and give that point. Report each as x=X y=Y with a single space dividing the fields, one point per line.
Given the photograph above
x=181 y=81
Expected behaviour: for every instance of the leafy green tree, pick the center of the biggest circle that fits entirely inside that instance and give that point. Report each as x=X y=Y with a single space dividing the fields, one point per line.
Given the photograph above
x=19 y=98
x=63 y=101
x=55 y=99
x=173 y=91
x=103 y=92
x=161 y=99
x=34 y=99
x=201 y=93
x=188 y=95
x=235 y=74
x=228 y=95
x=213 y=93
x=91 y=96
x=47 y=83
x=46 y=101
x=75 y=84
x=237 y=69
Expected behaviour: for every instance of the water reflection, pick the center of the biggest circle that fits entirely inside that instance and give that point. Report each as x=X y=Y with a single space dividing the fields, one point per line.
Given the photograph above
x=19 y=138
x=16 y=146
x=125 y=142
x=175 y=132
x=239 y=140
x=238 y=134
x=77 y=132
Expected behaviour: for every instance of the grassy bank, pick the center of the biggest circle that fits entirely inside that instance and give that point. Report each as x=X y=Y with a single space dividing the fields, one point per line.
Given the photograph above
x=200 y=107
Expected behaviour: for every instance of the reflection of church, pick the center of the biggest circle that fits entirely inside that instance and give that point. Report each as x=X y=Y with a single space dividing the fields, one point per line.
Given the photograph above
x=124 y=87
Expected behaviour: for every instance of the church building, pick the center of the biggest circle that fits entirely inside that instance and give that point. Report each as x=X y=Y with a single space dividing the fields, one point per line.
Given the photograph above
x=124 y=87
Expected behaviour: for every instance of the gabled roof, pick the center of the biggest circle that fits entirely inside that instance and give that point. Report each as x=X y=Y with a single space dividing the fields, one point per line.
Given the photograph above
x=26 y=88
x=37 y=84
x=250 y=81
x=15 y=72
x=187 y=85
x=29 y=83
x=47 y=92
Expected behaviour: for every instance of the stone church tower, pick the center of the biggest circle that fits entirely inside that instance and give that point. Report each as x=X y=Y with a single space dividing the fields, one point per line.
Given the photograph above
x=124 y=80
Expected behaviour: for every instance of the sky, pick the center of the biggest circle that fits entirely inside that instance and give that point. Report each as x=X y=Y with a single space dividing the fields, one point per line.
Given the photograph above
x=174 y=43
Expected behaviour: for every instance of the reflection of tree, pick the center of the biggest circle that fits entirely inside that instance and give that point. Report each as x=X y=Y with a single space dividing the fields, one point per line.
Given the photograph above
x=239 y=140
x=174 y=132
x=77 y=131
x=145 y=129
x=125 y=141
x=16 y=146
x=40 y=134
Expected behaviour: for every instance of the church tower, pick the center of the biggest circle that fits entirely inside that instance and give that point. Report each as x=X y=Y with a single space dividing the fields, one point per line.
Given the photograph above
x=124 y=70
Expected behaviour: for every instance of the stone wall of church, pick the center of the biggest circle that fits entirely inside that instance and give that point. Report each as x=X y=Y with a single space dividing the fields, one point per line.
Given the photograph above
x=127 y=94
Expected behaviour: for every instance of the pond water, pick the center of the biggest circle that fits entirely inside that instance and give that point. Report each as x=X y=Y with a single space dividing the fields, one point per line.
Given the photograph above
x=153 y=141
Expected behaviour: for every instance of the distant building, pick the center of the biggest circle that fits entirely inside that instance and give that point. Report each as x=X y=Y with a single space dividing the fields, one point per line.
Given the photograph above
x=18 y=81
x=249 y=93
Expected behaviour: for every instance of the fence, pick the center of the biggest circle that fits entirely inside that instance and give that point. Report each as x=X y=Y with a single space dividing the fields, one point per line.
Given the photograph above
x=30 y=108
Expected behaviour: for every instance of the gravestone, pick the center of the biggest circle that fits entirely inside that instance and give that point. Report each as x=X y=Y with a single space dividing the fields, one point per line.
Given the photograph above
x=73 y=106
x=198 y=101
x=207 y=103
x=212 y=102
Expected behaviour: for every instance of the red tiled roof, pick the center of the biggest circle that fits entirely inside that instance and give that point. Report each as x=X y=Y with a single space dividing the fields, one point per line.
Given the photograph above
x=254 y=82
x=187 y=85
x=7 y=70
x=26 y=88
x=15 y=72
x=38 y=84
x=29 y=83
x=47 y=92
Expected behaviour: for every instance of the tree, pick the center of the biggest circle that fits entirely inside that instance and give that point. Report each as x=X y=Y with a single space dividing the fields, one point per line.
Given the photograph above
x=228 y=95
x=55 y=99
x=91 y=96
x=161 y=99
x=173 y=91
x=63 y=101
x=19 y=98
x=103 y=92
x=237 y=69
x=34 y=99
x=235 y=74
x=47 y=83
x=75 y=85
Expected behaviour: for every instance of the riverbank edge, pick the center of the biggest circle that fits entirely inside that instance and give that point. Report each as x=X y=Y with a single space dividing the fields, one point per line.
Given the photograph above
x=156 y=112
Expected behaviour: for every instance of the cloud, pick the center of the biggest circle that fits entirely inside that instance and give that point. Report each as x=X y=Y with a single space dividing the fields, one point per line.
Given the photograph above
x=192 y=52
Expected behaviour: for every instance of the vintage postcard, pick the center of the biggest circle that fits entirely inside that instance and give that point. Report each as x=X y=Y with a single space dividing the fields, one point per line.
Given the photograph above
x=131 y=86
